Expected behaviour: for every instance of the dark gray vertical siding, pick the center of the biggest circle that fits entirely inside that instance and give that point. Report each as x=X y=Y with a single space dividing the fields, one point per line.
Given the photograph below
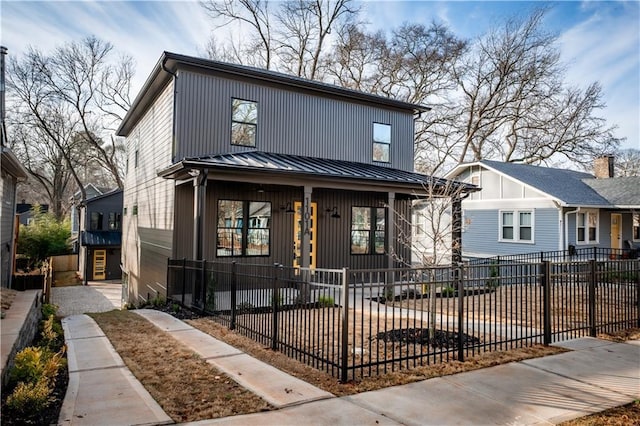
x=289 y=122
x=154 y=251
x=183 y=221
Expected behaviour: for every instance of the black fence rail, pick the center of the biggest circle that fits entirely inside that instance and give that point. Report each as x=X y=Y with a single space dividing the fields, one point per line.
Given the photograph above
x=572 y=254
x=359 y=323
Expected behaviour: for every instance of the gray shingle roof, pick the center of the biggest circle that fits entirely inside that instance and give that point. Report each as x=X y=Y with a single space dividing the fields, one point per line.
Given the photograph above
x=572 y=187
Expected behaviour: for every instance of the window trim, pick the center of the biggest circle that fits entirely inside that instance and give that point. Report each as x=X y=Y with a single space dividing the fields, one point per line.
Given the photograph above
x=246 y=123
x=635 y=224
x=516 y=226
x=375 y=142
x=371 y=247
x=586 y=227
x=245 y=228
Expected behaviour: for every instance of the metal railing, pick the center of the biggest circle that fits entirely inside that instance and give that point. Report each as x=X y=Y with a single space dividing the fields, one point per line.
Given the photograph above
x=572 y=254
x=358 y=323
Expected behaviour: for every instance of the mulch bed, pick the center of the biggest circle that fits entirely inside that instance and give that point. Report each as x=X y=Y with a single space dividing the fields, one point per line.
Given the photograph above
x=440 y=339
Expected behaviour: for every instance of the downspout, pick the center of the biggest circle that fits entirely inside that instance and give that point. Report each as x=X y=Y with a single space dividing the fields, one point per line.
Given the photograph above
x=173 y=122
x=566 y=226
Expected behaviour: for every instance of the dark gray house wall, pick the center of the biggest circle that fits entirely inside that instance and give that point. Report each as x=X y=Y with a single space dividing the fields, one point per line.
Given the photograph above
x=296 y=122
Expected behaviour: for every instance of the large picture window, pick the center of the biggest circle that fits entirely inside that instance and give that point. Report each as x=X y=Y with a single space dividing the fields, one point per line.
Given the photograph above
x=244 y=122
x=243 y=228
x=516 y=226
x=368 y=230
x=381 y=142
x=587 y=227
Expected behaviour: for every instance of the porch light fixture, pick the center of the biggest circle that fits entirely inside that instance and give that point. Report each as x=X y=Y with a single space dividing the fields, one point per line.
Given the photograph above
x=287 y=208
x=334 y=213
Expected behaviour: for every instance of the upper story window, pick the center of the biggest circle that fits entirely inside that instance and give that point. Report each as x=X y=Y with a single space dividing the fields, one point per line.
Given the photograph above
x=96 y=221
x=381 y=142
x=368 y=225
x=516 y=226
x=114 y=221
x=244 y=122
x=636 y=226
x=587 y=227
x=243 y=228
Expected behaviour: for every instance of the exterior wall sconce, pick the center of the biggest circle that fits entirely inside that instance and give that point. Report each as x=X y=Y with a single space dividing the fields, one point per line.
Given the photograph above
x=287 y=208
x=334 y=212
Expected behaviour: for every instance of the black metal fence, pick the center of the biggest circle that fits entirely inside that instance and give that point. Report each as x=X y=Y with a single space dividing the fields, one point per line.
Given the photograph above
x=358 y=323
x=572 y=254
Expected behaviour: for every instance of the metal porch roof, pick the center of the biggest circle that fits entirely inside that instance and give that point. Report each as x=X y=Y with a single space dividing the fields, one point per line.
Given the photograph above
x=309 y=166
x=101 y=238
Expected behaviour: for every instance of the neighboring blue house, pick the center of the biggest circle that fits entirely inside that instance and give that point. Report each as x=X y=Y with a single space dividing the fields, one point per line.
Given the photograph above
x=23 y=210
x=524 y=209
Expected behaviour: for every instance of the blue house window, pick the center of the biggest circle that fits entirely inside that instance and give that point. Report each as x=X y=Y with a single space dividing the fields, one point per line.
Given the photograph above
x=587 y=227
x=516 y=226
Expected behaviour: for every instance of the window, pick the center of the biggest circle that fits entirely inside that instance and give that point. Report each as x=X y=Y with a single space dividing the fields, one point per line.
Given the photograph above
x=95 y=223
x=244 y=122
x=368 y=226
x=243 y=228
x=636 y=226
x=587 y=227
x=516 y=226
x=135 y=158
x=134 y=210
x=381 y=142
x=114 y=221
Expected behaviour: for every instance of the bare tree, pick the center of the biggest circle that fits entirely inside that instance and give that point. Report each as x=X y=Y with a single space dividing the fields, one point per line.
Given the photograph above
x=628 y=162
x=514 y=105
x=70 y=102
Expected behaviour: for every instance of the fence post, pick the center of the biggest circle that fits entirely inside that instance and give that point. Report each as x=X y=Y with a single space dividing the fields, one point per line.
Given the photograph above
x=457 y=277
x=344 y=361
x=203 y=284
x=275 y=295
x=234 y=302
x=592 y=298
x=546 y=301
x=184 y=273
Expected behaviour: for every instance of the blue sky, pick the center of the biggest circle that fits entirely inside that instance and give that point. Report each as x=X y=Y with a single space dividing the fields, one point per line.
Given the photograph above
x=599 y=40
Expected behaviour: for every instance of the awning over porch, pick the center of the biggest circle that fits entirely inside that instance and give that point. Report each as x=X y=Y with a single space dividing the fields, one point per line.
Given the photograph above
x=101 y=238
x=311 y=167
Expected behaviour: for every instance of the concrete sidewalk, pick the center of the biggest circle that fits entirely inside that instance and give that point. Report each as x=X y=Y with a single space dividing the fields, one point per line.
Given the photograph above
x=102 y=390
x=594 y=376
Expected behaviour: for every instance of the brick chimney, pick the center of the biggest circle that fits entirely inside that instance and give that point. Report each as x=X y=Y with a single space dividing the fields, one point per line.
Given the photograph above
x=603 y=166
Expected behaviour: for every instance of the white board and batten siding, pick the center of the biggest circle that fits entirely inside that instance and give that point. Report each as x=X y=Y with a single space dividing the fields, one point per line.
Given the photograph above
x=482 y=210
x=147 y=235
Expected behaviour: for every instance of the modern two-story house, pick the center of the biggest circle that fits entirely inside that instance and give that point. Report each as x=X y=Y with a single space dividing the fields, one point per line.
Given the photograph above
x=526 y=209
x=232 y=163
x=100 y=237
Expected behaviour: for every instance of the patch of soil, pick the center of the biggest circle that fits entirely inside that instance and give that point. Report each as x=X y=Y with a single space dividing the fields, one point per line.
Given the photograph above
x=619 y=416
x=622 y=335
x=186 y=387
x=440 y=339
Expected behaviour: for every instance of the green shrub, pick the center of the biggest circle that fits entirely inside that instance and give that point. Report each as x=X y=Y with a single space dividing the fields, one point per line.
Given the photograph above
x=29 y=397
x=326 y=301
x=33 y=364
x=48 y=310
x=244 y=308
x=448 y=291
x=51 y=335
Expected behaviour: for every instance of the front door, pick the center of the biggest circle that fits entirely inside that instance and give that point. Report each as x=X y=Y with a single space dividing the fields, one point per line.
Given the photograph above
x=99 y=264
x=616 y=231
x=297 y=234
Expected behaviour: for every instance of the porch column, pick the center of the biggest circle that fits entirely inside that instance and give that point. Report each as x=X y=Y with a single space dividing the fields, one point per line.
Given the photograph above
x=199 y=211
x=456 y=229
x=306 y=227
x=391 y=250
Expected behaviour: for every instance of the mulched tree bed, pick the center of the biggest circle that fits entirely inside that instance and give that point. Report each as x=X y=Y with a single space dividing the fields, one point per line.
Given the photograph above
x=441 y=339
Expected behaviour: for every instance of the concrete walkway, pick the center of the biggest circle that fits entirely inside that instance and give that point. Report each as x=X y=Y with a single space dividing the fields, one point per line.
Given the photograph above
x=97 y=296
x=102 y=390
